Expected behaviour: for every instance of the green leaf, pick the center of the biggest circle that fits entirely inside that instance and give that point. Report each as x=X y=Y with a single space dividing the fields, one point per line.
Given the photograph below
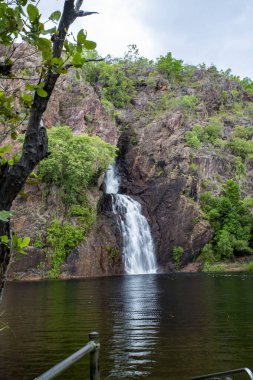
x=55 y=16
x=77 y=75
x=42 y=93
x=44 y=44
x=5 y=215
x=4 y=239
x=24 y=242
x=81 y=37
x=33 y=12
x=5 y=149
x=30 y=87
x=57 y=61
x=14 y=135
x=27 y=99
x=49 y=31
x=89 y=45
x=77 y=59
x=79 y=48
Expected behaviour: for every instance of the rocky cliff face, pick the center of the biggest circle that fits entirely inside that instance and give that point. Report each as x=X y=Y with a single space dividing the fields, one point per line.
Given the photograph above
x=158 y=167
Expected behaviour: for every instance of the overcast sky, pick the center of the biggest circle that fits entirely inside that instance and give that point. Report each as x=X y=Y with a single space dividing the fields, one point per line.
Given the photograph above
x=197 y=31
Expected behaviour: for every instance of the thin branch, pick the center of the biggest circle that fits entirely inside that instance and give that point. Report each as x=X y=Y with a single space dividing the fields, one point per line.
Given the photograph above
x=25 y=56
x=84 y=13
x=94 y=60
x=69 y=65
x=20 y=78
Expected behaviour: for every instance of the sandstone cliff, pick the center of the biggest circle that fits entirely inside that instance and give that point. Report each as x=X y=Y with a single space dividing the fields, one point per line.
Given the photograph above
x=158 y=167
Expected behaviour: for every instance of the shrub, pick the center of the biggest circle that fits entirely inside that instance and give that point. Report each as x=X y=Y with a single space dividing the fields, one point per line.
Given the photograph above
x=240 y=170
x=75 y=162
x=177 y=253
x=171 y=67
x=241 y=147
x=242 y=132
x=209 y=133
x=192 y=139
x=231 y=220
x=189 y=102
x=117 y=87
x=62 y=238
x=249 y=266
x=212 y=131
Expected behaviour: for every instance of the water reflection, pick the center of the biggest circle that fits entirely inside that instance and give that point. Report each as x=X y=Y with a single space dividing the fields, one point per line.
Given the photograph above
x=162 y=327
x=136 y=327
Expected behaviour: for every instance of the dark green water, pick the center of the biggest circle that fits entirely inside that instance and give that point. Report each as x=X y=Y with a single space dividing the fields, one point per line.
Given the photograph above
x=151 y=326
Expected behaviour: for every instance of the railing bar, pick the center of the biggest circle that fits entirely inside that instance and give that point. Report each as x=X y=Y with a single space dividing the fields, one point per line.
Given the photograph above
x=60 y=367
x=231 y=372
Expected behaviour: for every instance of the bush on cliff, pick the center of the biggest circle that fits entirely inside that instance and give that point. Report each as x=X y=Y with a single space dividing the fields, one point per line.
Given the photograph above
x=171 y=67
x=112 y=81
x=231 y=220
x=75 y=162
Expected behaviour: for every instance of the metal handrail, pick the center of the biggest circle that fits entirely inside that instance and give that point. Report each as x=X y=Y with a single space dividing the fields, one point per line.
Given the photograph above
x=92 y=347
x=231 y=372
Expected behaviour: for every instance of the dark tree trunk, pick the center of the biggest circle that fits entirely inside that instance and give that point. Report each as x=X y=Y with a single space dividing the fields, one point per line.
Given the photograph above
x=35 y=148
x=5 y=254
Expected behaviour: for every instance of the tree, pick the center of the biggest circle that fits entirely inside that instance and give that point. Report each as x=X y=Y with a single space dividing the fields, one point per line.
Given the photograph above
x=21 y=20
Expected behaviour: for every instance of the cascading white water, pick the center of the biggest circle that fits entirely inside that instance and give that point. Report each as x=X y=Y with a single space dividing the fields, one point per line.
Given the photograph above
x=138 y=247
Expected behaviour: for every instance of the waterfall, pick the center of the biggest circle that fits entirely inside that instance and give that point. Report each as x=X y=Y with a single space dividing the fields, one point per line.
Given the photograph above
x=138 y=247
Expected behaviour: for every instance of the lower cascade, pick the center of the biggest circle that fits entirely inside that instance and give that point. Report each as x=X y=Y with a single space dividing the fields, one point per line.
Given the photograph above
x=138 y=247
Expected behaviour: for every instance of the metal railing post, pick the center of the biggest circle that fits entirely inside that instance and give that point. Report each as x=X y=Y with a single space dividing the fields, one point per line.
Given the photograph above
x=94 y=357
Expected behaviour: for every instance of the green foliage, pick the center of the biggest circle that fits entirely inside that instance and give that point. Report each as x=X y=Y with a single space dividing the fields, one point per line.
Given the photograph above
x=192 y=139
x=208 y=254
x=242 y=132
x=21 y=21
x=231 y=220
x=209 y=133
x=62 y=237
x=177 y=253
x=215 y=267
x=186 y=103
x=75 y=162
x=164 y=102
x=117 y=87
x=5 y=215
x=247 y=85
x=212 y=131
x=240 y=170
x=38 y=243
x=15 y=243
x=248 y=201
x=113 y=252
x=241 y=147
x=169 y=66
x=249 y=266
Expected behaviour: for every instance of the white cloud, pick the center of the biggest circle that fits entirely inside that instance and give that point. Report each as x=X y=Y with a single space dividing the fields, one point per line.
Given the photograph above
x=219 y=32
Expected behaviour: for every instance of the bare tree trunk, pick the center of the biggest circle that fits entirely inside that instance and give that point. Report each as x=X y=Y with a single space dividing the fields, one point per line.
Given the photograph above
x=5 y=254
